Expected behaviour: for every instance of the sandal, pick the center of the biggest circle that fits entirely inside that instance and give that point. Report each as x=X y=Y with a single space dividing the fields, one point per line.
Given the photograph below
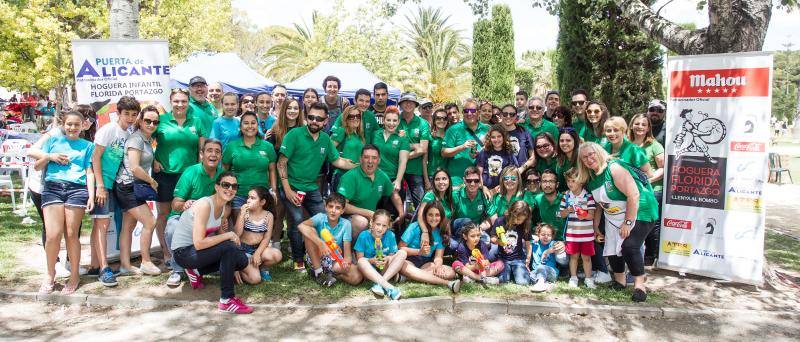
x=69 y=289
x=47 y=288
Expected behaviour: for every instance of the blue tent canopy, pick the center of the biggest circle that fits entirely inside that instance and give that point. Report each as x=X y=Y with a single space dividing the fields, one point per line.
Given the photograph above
x=225 y=68
x=354 y=76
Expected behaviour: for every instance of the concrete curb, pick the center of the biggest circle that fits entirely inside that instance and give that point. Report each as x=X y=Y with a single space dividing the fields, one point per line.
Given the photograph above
x=444 y=303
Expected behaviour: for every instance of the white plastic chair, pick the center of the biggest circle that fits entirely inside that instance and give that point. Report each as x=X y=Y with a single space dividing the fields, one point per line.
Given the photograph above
x=5 y=182
x=13 y=159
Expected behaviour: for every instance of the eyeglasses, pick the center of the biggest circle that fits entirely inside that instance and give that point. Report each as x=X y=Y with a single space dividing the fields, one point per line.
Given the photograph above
x=578 y=103
x=535 y=107
x=539 y=147
x=596 y=111
x=470 y=111
x=316 y=118
x=508 y=114
x=534 y=181
x=440 y=118
x=656 y=109
x=151 y=122
x=566 y=129
x=248 y=101
x=229 y=186
x=472 y=181
x=354 y=117
x=510 y=178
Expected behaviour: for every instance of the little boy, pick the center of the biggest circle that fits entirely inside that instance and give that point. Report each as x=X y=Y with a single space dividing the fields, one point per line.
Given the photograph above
x=578 y=207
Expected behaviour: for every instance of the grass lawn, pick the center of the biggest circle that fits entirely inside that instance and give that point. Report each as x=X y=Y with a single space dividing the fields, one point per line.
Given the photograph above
x=782 y=251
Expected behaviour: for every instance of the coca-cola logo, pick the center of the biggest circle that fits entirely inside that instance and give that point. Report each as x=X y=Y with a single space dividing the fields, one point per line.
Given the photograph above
x=744 y=146
x=677 y=224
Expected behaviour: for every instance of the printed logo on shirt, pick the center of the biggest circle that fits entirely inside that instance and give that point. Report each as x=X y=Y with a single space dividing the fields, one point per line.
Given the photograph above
x=193 y=130
x=395 y=143
x=480 y=207
x=416 y=132
x=262 y=153
x=380 y=188
x=322 y=150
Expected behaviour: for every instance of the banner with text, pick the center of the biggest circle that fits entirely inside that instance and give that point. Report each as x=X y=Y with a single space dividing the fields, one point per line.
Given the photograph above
x=106 y=70
x=718 y=113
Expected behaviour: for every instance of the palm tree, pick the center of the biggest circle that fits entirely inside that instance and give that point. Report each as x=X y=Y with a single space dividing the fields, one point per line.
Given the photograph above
x=302 y=49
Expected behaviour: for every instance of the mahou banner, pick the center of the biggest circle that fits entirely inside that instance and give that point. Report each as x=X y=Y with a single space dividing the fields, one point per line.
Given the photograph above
x=106 y=70
x=718 y=113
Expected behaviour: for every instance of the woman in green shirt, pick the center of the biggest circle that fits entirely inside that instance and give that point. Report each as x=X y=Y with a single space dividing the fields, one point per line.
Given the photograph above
x=511 y=190
x=348 y=139
x=596 y=116
x=621 y=148
x=290 y=116
x=566 y=154
x=545 y=146
x=252 y=160
x=434 y=158
x=641 y=135
x=630 y=212
x=394 y=148
x=442 y=191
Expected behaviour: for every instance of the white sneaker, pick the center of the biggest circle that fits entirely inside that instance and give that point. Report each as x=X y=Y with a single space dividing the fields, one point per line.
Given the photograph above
x=490 y=280
x=589 y=283
x=602 y=277
x=540 y=286
x=467 y=280
x=174 y=279
x=573 y=282
x=61 y=271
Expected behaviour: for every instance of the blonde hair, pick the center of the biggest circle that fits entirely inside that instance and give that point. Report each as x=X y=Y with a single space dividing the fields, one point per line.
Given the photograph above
x=585 y=173
x=618 y=123
x=358 y=130
x=510 y=170
x=648 y=136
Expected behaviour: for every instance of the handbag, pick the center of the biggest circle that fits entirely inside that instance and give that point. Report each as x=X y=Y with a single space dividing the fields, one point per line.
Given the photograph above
x=143 y=192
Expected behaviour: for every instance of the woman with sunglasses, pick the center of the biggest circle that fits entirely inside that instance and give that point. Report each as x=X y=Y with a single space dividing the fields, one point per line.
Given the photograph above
x=135 y=172
x=203 y=246
x=566 y=154
x=433 y=159
x=511 y=190
x=349 y=140
x=179 y=137
x=248 y=104
x=641 y=135
x=545 y=147
x=562 y=117
x=596 y=116
x=521 y=141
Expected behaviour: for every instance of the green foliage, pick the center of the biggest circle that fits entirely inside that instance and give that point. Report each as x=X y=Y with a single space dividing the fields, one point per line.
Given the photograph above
x=786 y=76
x=481 y=58
x=605 y=54
x=540 y=63
x=501 y=81
x=523 y=79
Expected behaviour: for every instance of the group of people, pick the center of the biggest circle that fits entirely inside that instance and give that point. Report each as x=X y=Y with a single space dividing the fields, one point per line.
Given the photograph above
x=435 y=194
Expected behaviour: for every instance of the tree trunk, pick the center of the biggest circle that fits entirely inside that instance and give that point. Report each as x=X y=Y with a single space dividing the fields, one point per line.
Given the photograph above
x=734 y=26
x=123 y=19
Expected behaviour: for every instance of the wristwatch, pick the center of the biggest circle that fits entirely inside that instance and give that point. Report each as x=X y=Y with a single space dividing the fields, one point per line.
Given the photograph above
x=629 y=223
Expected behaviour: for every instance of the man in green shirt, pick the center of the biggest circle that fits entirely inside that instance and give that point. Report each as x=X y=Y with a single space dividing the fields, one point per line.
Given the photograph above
x=579 y=102
x=536 y=123
x=470 y=205
x=201 y=108
x=463 y=141
x=552 y=100
x=418 y=132
x=547 y=203
x=364 y=187
x=302 y=153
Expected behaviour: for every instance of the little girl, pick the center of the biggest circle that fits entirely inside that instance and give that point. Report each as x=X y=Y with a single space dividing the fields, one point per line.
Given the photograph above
x=471 y=262
x=512 y=233
x=376 y=250
x=425 y=249
x=542 y=259
x=254 y=227
x=497 y=154
x=226 y=127
x=578 y=207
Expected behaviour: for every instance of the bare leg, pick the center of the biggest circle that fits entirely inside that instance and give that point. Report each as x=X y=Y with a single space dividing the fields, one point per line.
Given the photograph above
x=99 y=243
x=416 y=274
x=573 y=265
x=125 y=240
x=372 y=274
x=396 y=263
x=270 y=257
x=142 y=214
x=352 y=276
x=587 y=265
x=161 y=223
x=54 y=221
x=277 y=231
x=72 y=218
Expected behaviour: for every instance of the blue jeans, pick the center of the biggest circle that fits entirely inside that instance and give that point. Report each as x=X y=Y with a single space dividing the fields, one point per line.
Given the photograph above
x=294 y=216
x=172 y=224
x=416 y=187
x=521 y=274
x=456 y=238
x=545 y=272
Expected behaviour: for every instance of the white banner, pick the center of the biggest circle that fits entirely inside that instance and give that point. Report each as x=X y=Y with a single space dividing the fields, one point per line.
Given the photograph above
x=718 y=113
x=106 y=70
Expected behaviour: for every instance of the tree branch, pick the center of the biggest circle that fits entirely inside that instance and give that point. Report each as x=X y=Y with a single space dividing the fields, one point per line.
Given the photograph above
x=667 y=33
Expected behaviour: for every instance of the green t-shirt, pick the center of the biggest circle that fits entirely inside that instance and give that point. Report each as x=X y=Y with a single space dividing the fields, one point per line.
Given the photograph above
x=560 y=170
x=250 y=164
x=177 y=145
x=349 y=145
x=205 y=112
x=651 y=151
x=471 y=209
x=306 y=156
x=368 y=124
x=417 y=130
x=587 y=134
x=194 y=184
x=629 y=152
x=578 y=124
x=390 y=151
x=549 y=212
x=435 y=159
x=500 y=204
x=363 y=192
x=430 y=197
x=457 y=135
x=545 y=127
x=544 y=164
x=648 y=205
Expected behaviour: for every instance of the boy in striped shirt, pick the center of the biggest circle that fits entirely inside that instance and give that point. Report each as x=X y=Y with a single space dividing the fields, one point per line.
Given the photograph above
x=578 y=206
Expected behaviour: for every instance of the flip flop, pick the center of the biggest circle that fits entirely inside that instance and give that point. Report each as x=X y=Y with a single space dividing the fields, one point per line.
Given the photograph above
x=47 y=288
x=68 y=290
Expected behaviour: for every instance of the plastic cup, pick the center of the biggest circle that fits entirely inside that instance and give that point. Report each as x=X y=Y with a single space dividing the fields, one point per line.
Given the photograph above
x=301 y=195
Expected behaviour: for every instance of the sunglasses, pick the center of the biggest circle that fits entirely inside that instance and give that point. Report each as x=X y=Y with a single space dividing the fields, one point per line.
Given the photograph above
x=472 y=181
x=354 y=117
x=510 y=178
x=596 y=111
x=508 y=114
x=535 y=107
x=316 y=118
x=539 y=147
x=655 y=109
x=151 y=122
x=566 y=130
x=578 y=103
x=470 y=111
x=229 y=186
x=248 y=101
x=534 y=181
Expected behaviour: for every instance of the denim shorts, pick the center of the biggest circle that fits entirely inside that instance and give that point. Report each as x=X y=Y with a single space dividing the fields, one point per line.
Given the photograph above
x=248 y=249
x=238 y=202
x=105 y=210
x=66 y=193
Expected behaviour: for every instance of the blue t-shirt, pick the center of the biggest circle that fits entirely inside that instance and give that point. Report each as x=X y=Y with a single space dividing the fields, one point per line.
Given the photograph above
x=536 y=256
x=80 y=158
x=413 y=236
x=516 y=237
x=366 y=244
x=265 y=125
x=342 y=232
x=225 y=129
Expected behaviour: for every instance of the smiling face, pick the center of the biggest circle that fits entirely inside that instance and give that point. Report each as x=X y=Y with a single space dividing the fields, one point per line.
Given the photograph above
x=199 y=91
x=433 y=217
x=508 y=116
x=594 y=113
x=535 y=110
x=590 y=159
x=73 y=125
x=264 y=103
x=408 y=106
x=310 y=98
x=496 y=138
x=126 y=117
x=293 y=111
x=226 y=187
x=613 y=133
x=215 y=92
x=640 y=127
x=249 y=126
x=486 y=112
x=380 y=224
x=331 y=89
x=248 y=103
x=545 y=235
x=574 y=186
x=440 y=120
x=316 y=120
x=390 y=122
x=553 y=101
x=544 y=148
x=369 y=161
x=473 y=182
x=532 y=183
x=230 y=105
x=211 y=155
x=179 y=102
x=149 y=122
x=470 y=113
x=353 y=119
x=362 y=102
x=334 y=210
x=579 y=104
x=279 y=95
x=549 y=183
x=511 y=182
x=566 y=143
x=441 y=181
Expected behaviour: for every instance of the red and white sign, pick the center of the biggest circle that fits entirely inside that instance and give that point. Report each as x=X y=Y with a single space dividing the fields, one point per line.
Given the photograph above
x=744 y=146
x=720 y=82
x=677 y=224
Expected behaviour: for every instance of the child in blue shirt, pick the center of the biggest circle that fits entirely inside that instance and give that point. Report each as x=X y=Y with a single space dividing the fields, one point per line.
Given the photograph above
x=325 y=269
x=543 y=261
x=425 y=250
x=390 y=260
x=226 y=127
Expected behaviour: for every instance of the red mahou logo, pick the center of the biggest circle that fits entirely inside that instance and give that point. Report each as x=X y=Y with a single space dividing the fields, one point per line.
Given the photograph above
x=720 y=82
x=677 y=224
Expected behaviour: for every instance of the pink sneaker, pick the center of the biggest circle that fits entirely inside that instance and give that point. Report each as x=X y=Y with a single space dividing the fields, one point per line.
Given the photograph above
x=195 y=278
x=236 y=306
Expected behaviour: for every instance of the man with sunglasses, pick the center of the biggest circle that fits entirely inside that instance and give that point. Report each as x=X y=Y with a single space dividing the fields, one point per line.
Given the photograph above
x=578 y=104
x=426 y=111
x=470 y=205
x=536 y=123
x=199 y=105
x=463 y=141
x=302 y=153
x=656 y=112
